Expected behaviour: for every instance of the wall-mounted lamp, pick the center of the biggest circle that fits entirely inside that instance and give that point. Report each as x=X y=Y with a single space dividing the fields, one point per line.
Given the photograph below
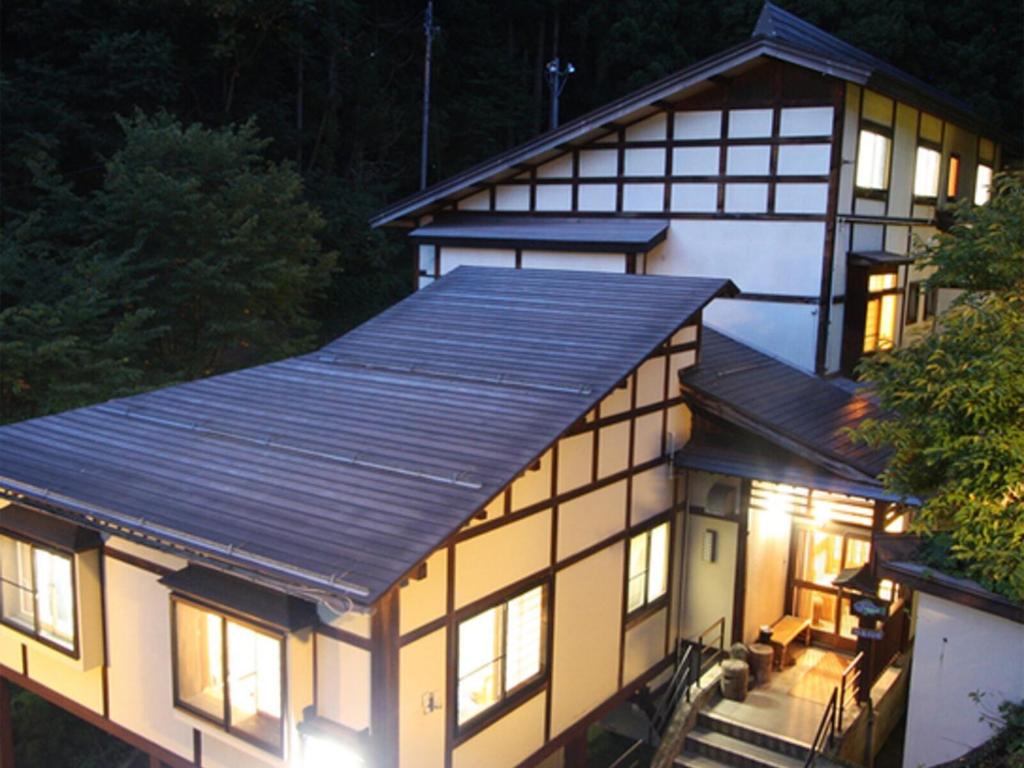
x=326 y=744
x=709 y=546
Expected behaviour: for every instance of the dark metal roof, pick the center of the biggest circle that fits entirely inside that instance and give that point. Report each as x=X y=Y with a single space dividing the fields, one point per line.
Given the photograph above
x=805 y=414
x=741 y=457
x=341 y=470
x=601 y=234
x=776 y=24
x=243 y=596
x=879 y=259
x=597 y=121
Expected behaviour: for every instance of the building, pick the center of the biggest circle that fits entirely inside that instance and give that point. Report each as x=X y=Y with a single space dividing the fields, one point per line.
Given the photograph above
x=450 y=538
x=796 y=164
x=476 y=525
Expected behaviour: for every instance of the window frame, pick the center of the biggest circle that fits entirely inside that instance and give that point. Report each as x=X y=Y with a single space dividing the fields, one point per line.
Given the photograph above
x=977 y=181
x=75 y=652
x=260 y=627
x=870 y=296
x=647 y=607
x=931 y=303
x=509 y=698
x=930 y=146
x=953 y=176
x=877 y=193
x=913 y=301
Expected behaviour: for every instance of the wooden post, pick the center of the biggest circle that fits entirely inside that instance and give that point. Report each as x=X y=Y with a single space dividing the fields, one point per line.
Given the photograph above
x=384 y=680
x=576 y=751
x=6 y=727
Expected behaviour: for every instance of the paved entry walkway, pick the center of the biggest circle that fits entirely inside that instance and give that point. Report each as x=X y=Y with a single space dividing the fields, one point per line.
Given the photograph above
x=792 y=704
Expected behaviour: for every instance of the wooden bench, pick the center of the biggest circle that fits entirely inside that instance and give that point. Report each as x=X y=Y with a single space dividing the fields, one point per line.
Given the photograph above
x=785 y=631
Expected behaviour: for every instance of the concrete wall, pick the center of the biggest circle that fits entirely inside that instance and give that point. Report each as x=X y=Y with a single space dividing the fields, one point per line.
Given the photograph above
x=958 y=651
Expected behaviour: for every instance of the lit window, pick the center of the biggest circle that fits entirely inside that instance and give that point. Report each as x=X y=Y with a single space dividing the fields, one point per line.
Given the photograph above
x=953 y=177
x=880 y=319
x=38 y=593
x=926 y=173
x=500 y=650
x=983 y=185
x=648 y=567
x=229 y=671
x=873 y=160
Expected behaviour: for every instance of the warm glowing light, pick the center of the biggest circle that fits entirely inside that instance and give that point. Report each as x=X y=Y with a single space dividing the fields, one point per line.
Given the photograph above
x=983 y=185
x=926 y=174
x=319 y=752
x=873 y=160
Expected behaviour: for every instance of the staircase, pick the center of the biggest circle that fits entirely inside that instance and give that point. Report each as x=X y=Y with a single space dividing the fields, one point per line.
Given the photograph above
x=719 y=743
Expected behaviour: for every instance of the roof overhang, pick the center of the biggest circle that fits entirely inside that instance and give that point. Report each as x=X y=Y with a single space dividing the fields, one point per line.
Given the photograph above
x=596 y=235
x=879 y=259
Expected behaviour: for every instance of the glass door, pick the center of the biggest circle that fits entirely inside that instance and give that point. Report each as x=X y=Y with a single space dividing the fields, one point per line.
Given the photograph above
x=819 y=555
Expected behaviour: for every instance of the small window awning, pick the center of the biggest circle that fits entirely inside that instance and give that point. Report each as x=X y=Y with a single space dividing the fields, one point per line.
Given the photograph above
x=47 y=529
x=879 y=259
x=242 y=596
x=592 y=234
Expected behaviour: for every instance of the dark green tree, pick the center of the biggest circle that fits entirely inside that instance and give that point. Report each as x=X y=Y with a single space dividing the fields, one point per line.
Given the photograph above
x=957 y=397
x=221 y=242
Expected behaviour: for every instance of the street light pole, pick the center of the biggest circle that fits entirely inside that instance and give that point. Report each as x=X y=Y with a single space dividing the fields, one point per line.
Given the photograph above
x=556 y=82
x=428 y=29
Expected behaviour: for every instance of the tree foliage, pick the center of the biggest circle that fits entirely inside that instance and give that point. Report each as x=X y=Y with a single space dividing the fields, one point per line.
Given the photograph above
x=196 y=255
x=957 y=397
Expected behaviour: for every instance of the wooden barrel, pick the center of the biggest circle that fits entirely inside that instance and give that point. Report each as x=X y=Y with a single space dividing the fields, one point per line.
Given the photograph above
x=735 y=676
x=760 y=660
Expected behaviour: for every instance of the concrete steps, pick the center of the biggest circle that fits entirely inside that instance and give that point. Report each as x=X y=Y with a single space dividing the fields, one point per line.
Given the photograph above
x=720 y=743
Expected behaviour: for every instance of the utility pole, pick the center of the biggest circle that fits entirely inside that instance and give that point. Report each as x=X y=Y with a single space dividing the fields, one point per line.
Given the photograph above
x=556 y=82
x=428 y=29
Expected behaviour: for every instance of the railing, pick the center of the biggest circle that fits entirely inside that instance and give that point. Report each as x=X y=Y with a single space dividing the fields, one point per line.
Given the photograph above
x=629 y=758
x=826 y=734
x=851 y=678
x=685 y=673
x=706 y=662
x=893 y=642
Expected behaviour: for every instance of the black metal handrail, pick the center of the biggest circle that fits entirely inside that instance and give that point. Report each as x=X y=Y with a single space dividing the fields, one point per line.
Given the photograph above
x=826 y=734
x=620 y=761
x=685 y=673
x=851 y=677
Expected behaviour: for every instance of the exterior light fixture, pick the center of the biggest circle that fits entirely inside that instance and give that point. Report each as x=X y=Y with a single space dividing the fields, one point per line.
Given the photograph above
x=326 y=744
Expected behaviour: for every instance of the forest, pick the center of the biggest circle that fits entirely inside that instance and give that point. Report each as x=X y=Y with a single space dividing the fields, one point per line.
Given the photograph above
x=186 y=184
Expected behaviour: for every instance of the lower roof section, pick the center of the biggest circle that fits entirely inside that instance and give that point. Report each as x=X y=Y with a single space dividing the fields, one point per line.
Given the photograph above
x=805 y=414
x=343 y=469
x=600 y=234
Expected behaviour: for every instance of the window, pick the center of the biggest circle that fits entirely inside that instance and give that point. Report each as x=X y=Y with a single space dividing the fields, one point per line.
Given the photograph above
x=953 y=177
x=648 y=568
x=983 y=185
x=38 y=592
x=926 y=173
x=500 y=651
x=913 y=302
x=880 y=320
x=873 y=160
x=931 y=303
x=230 y=672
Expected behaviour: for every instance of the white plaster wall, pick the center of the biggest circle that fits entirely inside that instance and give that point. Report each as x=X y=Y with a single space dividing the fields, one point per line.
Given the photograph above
x=787 y=331
x=904 y=149
x=591 y=518
x=596 y=197
x=804 y=159
x=746 y=198
x=643 y=198
x=506 y=743
x=343 y=682
x=421 y=672
x=801 y=198
x=957 y=651
x=423 y=600
x=647 y=433
x=480 y=201
x=695 y=161
x=698 y=124
x=533 y=486
x=645 y=646
x=759 y=256
x=649 y=129
x=575 y=461
x=805 y=121
x=768 y=534
x=452 y=258
x=559 y=168
x=652 y=493
x=749 y=123
x=591 y=262
x=599 y=162
x=694 y=198
x=709 y=586
x=585 y=661
x=645 y=162
x=524 y=547
x=613 y=449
